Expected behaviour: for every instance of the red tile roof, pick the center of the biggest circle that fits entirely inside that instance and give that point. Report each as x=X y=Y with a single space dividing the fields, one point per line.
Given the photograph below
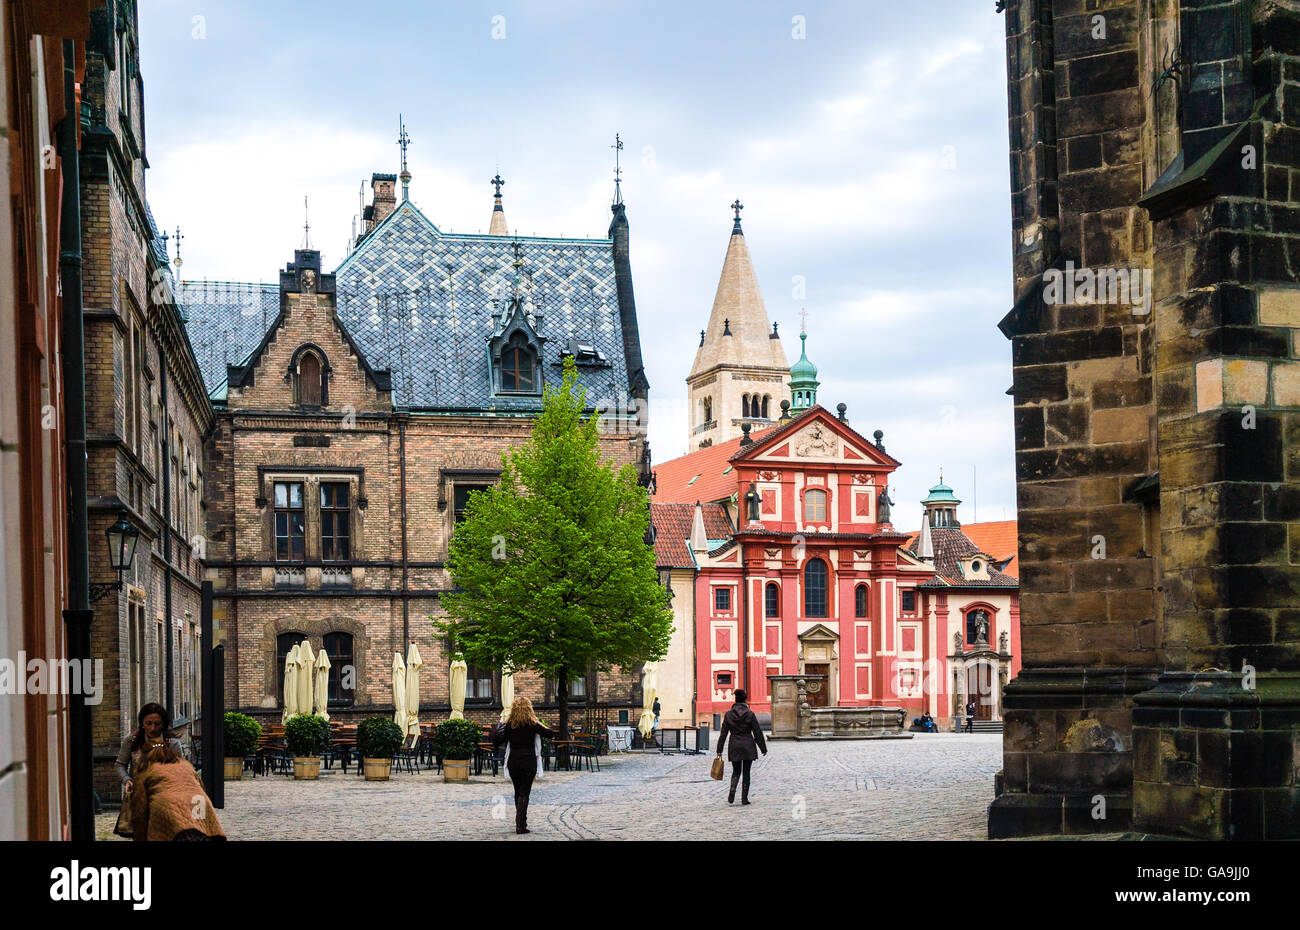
x=672 y=522
x=998 y=539
x=701 y=475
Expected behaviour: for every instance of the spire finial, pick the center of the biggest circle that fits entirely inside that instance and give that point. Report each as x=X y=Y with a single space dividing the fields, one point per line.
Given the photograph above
x=618 y=170
x=179 y=237
x=403 y=140
x=306 y=224
x=497 y=226
x=737 y=206
x=803 y=323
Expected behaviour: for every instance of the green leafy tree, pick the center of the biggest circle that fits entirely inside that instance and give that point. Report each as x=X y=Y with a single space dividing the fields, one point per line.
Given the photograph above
x=551 y=564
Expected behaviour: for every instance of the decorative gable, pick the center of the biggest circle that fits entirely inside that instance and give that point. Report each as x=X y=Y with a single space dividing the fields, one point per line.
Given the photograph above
x=307 y=360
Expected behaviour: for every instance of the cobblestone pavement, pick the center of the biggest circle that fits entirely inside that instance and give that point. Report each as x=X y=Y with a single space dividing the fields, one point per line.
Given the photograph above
x=935 y=786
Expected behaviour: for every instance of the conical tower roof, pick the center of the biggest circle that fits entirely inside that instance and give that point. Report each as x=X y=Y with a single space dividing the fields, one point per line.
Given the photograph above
x=739 y=334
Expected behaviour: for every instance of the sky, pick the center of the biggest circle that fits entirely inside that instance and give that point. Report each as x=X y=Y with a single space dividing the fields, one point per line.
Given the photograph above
x=867 y=140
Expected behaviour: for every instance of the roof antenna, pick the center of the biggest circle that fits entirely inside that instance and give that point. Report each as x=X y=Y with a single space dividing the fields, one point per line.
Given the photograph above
x=306 y=224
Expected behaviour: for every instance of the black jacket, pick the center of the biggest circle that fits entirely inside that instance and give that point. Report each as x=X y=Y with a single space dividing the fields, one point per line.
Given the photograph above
x=520 y=738
x=746 y=734
x=970 y=709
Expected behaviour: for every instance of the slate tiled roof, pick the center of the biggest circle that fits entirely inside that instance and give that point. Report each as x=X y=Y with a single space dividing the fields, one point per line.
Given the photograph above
x=672 y=522
x=424 y=304
x=226 y=321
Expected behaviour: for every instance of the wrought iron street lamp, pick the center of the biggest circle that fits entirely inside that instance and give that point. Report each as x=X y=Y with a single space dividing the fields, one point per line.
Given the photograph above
x=122 y=538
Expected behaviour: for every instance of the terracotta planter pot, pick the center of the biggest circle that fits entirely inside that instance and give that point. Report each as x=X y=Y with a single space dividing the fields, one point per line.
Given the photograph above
x=306 y=767
x=376 y=769
x=455 y=770
x=234 y=768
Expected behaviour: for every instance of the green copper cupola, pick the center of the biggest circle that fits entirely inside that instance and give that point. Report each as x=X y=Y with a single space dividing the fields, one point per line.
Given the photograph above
x=803 y=380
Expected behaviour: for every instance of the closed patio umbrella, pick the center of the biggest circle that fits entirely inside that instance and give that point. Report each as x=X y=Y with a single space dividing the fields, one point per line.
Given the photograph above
x=306 y=676
x=322 y=684
x=399 y=691
x=413 y=663
x=290 y=684
x=507 y=693
x=648 y=680
x=459 y=670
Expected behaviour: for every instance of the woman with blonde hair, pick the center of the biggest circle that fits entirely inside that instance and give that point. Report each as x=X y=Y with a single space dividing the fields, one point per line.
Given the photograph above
x=522 y=732
x=168 y=801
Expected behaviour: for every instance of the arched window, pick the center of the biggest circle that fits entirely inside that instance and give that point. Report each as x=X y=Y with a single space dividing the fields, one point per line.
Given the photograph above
x=767 y=399
x=309 y=380
x=338 y=646
x=518 y=368
x=708 y=410
x=744 y=405
x=772 y=600
x=284 y=644
x=860 y=601
x=814 y=506
x=814 y=588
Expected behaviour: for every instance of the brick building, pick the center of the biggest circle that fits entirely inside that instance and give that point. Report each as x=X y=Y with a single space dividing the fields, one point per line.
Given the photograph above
x=147 y=412
x=34 y=590
x=356 y=411
x=1155 y=142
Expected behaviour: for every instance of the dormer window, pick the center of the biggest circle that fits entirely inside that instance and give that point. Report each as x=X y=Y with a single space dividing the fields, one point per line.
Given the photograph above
x=516 y=352
x=518 y=367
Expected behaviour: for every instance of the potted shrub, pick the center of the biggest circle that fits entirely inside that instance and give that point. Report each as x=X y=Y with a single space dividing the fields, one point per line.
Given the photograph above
x=240 y=737
x=456 y=741
x=377 y=739
x=307 y=736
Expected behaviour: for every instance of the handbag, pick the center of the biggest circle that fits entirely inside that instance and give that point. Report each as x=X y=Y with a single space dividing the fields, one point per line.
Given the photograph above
x=123 y=826
x=718 y=768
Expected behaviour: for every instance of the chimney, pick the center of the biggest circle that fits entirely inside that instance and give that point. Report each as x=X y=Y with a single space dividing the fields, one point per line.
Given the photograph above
x=383 y=201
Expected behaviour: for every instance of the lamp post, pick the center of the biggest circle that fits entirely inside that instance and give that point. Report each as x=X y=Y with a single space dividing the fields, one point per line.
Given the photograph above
x=122 y=539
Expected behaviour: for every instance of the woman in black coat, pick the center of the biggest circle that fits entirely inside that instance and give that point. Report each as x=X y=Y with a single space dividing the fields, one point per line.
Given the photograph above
x=746 y=741
x=521 y=730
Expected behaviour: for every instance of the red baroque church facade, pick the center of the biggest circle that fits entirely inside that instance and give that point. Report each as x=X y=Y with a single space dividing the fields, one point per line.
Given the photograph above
x=792 y=565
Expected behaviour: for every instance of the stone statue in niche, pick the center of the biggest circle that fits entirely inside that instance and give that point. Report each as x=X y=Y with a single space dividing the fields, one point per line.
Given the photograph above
x=308 y=281
x=752 y=498
x=883 y=504
x=981 y=626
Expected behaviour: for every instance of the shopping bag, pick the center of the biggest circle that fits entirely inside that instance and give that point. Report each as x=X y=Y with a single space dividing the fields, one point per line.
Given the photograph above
x=718 y=768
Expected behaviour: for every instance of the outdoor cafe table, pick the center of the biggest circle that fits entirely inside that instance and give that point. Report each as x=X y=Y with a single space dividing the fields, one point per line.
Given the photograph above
x=620 y=738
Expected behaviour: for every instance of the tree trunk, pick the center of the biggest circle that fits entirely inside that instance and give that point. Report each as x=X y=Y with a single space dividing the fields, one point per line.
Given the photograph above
x=562 y=752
